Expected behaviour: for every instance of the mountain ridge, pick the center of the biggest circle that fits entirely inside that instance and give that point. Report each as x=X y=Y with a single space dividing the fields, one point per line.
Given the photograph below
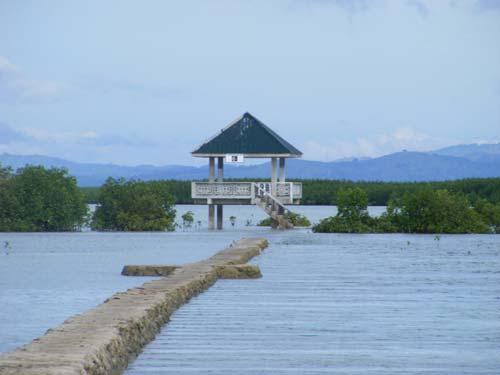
x=455 y=162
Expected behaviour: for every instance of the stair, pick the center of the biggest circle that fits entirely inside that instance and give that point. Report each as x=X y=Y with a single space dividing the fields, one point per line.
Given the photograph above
x=274 y=208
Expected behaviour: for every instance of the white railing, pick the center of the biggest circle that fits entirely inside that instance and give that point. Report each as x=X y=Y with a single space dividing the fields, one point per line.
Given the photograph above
x=276 y=204
x=286 y=192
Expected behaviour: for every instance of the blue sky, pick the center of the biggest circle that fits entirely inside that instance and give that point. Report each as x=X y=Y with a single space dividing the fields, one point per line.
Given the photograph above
x=145 y=82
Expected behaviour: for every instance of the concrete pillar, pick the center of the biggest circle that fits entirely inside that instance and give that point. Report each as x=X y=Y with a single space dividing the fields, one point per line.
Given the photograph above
x=211 y=169
x=282 y=170
x=220 y=216
x=211 y=207
x=273 y=176
x=220 y=178
x=220 y=169
x=211 y=216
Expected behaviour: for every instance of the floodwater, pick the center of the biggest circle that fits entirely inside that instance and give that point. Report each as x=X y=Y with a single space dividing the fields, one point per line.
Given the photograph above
x=345 y=304
x=327 y=303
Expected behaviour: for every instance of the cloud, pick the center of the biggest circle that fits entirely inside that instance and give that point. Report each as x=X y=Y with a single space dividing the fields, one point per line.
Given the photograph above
x=488 y=5
x=43 y=135
x=86 y=137
x=350 y=5
x=400 y=139
x=83 y=145
x=15 y=84
x=420 y=7
x=133 y=86
x=8 y=134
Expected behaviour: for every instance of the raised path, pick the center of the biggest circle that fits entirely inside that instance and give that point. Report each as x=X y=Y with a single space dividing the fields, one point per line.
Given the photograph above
x=104 y=339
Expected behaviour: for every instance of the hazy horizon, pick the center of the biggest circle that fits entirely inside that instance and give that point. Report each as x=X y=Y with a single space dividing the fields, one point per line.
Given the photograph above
x=130 y=84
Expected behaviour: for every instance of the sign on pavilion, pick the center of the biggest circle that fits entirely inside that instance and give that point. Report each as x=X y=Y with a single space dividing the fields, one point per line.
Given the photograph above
x=247 y=137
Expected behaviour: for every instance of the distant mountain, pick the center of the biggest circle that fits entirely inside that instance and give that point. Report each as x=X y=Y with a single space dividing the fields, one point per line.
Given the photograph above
x=401 y=166
x=93 y=174
x=487 y=152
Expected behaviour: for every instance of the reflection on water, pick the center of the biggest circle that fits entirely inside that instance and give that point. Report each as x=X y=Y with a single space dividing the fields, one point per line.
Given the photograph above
x=327 y=303
x=253 y=215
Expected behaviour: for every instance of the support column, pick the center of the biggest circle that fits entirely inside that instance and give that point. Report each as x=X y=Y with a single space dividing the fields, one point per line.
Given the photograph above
x=211 y=207
x=220 y=178
x=273 y=176
x=220 y=216
x=211 y=216
x=220 y=169
x=211 y=169
x=282 y=170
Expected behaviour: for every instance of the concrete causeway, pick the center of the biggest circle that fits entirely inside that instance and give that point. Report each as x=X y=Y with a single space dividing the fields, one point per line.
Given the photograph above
x=104 y=339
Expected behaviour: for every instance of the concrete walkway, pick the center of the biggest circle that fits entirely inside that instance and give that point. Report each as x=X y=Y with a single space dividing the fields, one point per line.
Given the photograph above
x=104 y=339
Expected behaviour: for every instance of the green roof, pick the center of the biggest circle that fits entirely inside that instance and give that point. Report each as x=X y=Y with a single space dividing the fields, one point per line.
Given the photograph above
x=248 y=136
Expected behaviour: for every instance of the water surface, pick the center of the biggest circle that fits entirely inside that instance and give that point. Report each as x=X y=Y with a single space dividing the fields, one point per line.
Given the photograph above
x=327 y=303
x=344 y=304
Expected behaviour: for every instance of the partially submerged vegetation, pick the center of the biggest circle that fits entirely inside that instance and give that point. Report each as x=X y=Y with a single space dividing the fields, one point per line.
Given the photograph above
x=188 y=219
x=179 y=190
x=40 y=199
x=324 y=192
x=297 y=220
x=134 y=206
x=35 y=199
x=423 y=211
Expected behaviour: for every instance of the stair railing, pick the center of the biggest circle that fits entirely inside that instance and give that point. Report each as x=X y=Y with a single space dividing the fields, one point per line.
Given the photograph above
x=277 y=206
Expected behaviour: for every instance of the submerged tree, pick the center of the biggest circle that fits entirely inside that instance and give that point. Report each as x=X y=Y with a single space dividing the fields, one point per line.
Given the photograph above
x=188 y=219
x=489 y=213
x=352 y=213
x=434 y=211
x=134 y=206
x=36 y=199
x=232 y=220
x=422 y=211
x=298 y=220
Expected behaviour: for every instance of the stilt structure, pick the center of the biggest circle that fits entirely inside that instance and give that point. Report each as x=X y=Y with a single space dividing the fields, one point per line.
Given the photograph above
x=247 y=137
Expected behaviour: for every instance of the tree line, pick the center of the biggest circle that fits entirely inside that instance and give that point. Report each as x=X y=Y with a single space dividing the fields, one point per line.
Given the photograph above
x=324 y=192
x=35 y=199
x=38 y=199
x=422 y=211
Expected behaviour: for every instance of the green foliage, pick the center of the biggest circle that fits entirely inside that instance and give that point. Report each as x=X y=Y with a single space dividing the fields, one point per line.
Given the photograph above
x=423 y=211
x=5 y=173
x=180 y=190
x=352 y=204
x=134 y=206
x=35 y=199
x=188 y=219
x=91 y=194
x=297 y=220
x=324 y=192
x=434 y=211
x=489 y=213
x=232 y=220
x=352 y=215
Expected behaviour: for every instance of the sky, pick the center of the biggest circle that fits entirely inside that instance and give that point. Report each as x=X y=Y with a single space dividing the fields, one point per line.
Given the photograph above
x=131 y=82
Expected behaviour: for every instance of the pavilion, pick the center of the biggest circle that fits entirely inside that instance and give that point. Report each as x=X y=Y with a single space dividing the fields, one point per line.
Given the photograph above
x=247 y=137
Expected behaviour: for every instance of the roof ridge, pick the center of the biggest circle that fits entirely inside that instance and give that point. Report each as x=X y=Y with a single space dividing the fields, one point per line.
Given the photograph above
x=228 y=141
x=279 y=138
x=234 y=122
